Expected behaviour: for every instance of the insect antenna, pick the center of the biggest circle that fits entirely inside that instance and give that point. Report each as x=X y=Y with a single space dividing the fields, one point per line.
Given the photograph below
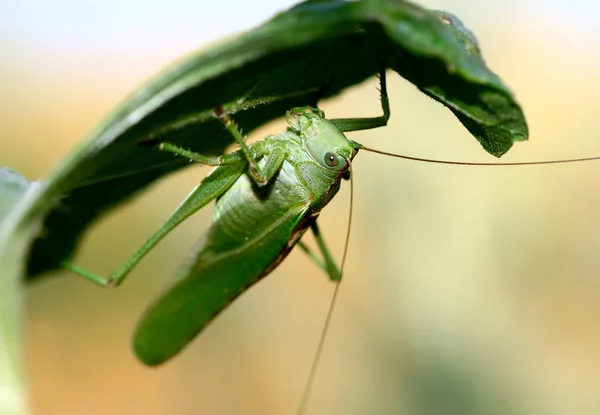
x=467 y=163
x=317 y=357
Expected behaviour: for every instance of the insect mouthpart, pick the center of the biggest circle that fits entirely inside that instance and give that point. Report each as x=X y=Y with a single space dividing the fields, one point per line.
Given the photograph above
x=348 y=173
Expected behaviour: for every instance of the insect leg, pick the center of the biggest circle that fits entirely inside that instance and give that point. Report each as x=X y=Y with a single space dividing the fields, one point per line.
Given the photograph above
x=355 y=124
x=213 y=185
x=274 y=159
x=232 y=127
x=225 y=159
x=312 y=256
x=328 y=265
x=274 y=155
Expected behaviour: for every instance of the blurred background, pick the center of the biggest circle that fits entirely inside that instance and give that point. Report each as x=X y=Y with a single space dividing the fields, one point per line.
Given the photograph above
x=468 y=290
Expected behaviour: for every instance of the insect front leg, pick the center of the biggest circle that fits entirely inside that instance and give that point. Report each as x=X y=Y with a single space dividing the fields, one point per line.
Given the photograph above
x=356 y=124
x=232 y=127
x=328 y=265
x=222 y=160
x=273 y=153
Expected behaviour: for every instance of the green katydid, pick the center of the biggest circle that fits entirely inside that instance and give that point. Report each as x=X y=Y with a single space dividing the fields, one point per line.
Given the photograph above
x=267 y=195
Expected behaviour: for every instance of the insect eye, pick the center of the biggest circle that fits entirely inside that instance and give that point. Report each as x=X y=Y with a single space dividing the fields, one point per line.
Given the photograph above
x=331 y=159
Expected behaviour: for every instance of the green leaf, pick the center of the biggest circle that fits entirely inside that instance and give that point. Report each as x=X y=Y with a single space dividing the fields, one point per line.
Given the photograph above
x=313 y=51
x=492 y=118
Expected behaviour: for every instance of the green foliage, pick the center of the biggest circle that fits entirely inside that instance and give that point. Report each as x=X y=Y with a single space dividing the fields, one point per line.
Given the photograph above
x=313 y=51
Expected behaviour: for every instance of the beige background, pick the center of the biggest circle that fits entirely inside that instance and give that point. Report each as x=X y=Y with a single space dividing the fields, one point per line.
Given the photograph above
x=468 y=290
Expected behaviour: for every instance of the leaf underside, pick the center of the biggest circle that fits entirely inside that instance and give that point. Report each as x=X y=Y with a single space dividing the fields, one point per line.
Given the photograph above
x=311 y=52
